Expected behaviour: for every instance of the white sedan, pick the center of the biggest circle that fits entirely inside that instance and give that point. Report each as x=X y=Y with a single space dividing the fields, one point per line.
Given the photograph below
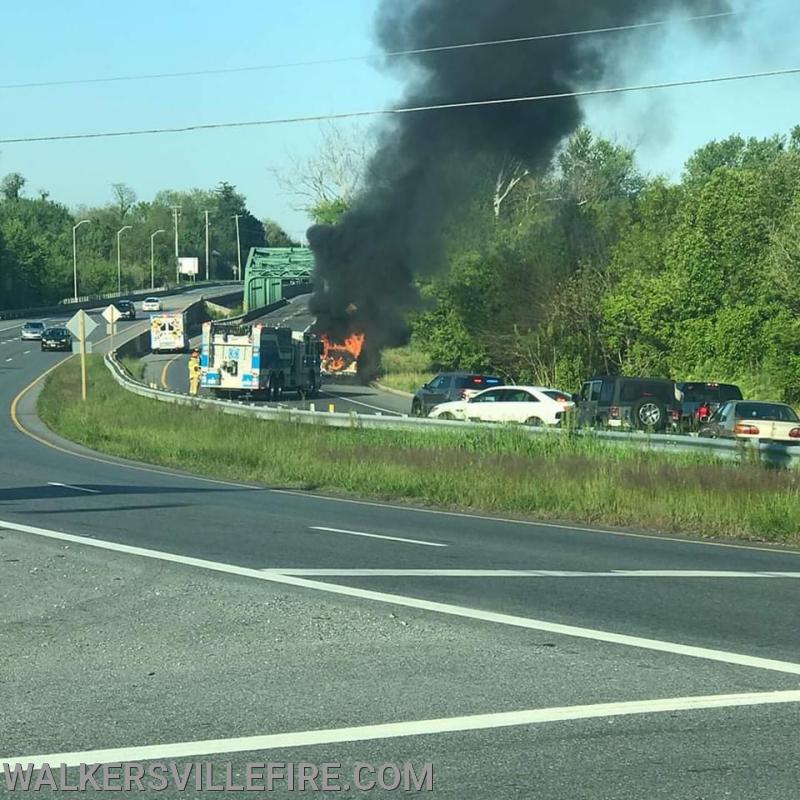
x=526 y=405
x=151 y=304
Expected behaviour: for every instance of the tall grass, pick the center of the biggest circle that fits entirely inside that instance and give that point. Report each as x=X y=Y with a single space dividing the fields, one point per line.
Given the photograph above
x=405 y=368
x=497 y=470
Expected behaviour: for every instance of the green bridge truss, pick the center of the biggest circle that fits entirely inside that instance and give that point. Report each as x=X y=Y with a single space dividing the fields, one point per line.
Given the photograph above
x=273 y=273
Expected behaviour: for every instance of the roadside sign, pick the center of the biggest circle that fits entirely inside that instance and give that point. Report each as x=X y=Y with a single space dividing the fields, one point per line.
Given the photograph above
x=188 y=266
x=81 y=326
x=111 y=314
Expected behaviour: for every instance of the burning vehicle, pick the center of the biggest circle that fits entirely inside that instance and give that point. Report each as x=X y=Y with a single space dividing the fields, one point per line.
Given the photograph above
x=341 y=358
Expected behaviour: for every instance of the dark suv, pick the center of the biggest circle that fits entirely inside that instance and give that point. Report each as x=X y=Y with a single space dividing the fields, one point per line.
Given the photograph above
x=643 y=403
x=697 y=395
x=126 y=309
x=450 y=386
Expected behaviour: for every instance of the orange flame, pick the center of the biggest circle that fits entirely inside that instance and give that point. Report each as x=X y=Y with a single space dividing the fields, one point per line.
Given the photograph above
x=339 y=356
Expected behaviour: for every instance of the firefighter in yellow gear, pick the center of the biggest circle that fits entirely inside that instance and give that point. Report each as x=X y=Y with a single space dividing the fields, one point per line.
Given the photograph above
x=194 y=372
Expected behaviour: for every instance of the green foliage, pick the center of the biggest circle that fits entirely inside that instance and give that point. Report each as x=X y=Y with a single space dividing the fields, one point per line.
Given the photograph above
x=592 y=268
x=12 y=185
x=276 y=236
x=329 y=212
x=36 y=240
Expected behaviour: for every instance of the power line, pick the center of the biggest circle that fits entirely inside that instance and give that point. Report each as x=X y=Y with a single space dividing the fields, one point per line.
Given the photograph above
x=390 y=55
x=404 y=110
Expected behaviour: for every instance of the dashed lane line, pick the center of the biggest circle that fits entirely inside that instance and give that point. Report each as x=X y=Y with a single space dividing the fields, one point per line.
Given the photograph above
x=344 y=399
x=74 y=488
x=377 y=536
x=465 y=612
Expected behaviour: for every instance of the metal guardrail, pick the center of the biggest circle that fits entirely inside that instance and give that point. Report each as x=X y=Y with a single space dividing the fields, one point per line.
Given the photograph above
x=779 y=455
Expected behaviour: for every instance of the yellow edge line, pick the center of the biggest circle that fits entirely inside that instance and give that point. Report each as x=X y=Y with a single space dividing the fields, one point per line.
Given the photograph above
x=165 y=371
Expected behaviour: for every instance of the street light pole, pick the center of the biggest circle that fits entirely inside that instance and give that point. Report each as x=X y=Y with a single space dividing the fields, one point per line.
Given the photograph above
x=175 y=210
x=207 y=273
x=75 y=256
x=153 y=257
x=238 y=248
x=119 y=258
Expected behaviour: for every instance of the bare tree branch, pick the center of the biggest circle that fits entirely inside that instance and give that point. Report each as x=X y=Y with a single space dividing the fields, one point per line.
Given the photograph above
x=335 y=172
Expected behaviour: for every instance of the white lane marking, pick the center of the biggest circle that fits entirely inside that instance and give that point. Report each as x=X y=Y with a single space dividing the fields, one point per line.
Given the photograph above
x=9 y=359
x=75 y=488
x=394 y=730
x=360 y=403
x=523 y=573
x=378 y=536
x=25 y=352
x=577 y=528
x=656 y=645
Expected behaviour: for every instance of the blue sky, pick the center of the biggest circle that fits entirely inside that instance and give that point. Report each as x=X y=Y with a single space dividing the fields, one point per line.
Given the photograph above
x=84 y=38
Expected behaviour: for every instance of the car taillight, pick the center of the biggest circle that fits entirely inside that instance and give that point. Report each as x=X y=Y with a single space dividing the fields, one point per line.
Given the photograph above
x=794 y=433
x=613 y=412
x=676 y=415
x=749 y=430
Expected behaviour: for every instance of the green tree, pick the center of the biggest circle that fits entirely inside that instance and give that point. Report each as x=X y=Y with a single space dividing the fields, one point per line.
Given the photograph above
x=276 y=236
x=12 y=186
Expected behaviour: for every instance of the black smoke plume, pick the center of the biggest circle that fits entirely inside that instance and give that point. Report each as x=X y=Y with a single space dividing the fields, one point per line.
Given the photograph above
x=367 y=264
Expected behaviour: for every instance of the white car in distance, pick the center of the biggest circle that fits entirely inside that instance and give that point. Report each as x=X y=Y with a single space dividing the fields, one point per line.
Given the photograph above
x=525 y=405
x=151 y=304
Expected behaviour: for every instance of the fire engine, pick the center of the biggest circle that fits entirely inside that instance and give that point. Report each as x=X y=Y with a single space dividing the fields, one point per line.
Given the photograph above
x=259 y=361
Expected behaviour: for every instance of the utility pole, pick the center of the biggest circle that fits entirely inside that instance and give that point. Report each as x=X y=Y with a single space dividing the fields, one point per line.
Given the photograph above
x=175 y=213
x=207 y=272
x=238 y=249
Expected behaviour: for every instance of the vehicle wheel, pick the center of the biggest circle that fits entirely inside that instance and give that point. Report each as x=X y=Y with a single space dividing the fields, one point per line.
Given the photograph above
x=446 y=415
x=416 y=409
x=279 y=389
x=534 y=422
x=314 y=386
x=649 y=415
x=272 y=391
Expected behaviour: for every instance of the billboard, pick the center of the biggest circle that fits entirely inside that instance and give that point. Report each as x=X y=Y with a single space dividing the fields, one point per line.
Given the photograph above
x=188 y=266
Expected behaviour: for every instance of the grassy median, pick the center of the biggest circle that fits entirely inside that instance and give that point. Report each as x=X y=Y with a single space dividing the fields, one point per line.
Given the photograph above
x=500 y=471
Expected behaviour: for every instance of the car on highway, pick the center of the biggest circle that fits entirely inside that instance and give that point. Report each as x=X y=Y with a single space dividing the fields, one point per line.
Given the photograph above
x=56 y=339
x=449 y=386
x=629 y=402
x=32 y=330
x=700 y=400
x=126 y=309
x=151 y=304
x=524 y=405
x=754 y=420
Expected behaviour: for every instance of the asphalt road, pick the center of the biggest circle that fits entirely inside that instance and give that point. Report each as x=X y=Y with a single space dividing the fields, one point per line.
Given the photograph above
x=160 y=616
